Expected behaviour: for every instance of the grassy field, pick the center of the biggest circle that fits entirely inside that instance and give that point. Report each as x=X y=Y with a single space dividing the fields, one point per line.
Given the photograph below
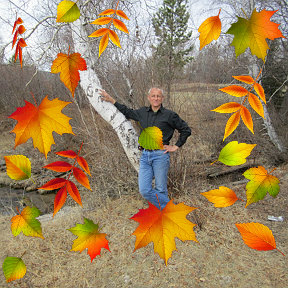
x=220 y=259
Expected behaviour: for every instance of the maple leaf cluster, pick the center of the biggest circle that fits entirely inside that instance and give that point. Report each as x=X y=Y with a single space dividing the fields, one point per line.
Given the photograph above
x=21 y=42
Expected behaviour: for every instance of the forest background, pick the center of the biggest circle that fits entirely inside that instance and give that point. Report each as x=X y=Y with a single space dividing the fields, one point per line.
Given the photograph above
x=127 y=74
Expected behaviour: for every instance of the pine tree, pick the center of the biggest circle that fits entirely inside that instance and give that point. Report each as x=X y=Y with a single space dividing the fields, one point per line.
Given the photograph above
x=172 y=51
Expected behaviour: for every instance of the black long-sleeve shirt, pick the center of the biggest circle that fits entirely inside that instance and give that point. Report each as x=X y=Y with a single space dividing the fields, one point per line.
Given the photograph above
x=166 y=120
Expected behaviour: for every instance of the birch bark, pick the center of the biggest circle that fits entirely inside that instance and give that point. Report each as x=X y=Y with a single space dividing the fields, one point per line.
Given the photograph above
x=90 y=84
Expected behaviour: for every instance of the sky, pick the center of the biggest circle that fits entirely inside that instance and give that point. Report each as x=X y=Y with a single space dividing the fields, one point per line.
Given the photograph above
x=8 y=14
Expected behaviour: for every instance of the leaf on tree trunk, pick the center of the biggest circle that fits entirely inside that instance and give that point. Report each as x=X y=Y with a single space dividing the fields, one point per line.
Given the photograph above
x=68 y=66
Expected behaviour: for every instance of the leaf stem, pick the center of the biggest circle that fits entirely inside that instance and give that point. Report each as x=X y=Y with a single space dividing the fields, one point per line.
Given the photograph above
x=26 y=251
x=244 y=13
x=280 y=251
x=18 y=210
x=158 y=201
x=219 y=11
x=34 y=98
x=75 y=160
x=213 y=162
x=272 y=170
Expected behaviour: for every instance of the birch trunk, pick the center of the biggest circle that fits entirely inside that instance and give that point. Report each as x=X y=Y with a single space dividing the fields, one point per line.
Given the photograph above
x=90 y=84
x=267 y=120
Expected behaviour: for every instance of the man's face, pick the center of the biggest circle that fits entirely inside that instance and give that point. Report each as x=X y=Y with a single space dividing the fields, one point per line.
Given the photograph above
x=155 y=98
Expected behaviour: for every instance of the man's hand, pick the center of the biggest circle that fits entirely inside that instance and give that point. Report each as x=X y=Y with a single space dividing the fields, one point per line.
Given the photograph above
x=170 y=148
x=106 y=97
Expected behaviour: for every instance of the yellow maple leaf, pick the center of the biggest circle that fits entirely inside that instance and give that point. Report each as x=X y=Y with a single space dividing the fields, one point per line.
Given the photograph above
x=161 y=226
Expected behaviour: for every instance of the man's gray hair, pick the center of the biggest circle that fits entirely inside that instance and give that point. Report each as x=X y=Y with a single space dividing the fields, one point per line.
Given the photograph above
x=162 y=91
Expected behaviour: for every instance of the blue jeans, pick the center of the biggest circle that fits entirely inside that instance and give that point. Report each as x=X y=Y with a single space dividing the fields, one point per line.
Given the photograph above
x=154 y=164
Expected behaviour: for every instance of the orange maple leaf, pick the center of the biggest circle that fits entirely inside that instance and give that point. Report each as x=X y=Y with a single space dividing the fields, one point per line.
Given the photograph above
x=68 y=66
x=161 y=226
x=39 y=122
x=209 y=30
x=89 y=237
x=257 y=236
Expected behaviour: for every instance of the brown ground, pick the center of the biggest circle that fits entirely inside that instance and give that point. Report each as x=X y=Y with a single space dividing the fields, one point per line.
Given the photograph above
x=220 y=259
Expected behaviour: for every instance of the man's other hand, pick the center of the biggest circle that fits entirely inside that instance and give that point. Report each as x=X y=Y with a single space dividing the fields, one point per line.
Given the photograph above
x=170 y=148
x=106 y=97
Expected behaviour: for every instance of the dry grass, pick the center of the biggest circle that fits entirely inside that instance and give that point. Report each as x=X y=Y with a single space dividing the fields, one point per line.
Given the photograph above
x=220 y=259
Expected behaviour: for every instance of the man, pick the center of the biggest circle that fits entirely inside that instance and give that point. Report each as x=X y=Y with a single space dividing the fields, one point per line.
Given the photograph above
x=155 y=163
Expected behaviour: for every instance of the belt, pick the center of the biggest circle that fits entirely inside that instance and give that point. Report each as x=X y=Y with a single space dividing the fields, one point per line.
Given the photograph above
x=141 y=149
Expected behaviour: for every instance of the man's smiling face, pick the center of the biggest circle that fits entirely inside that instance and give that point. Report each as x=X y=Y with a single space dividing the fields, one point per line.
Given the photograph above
x=155 y=98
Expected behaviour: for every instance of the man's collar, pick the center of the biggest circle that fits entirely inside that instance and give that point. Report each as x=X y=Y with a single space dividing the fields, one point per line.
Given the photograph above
x=160 y=109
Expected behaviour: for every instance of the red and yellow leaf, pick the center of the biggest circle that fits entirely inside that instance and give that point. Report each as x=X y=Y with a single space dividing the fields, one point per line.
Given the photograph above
x=162 y=226
x=235 y=90
x=83 y=163
x=99 y=32
x=114 y=38
x=54 y=184
x=26 y=223
x=247 y=119
x=74 y=192
x=244 y=78
x=67 y=154
x=260 y=183
x=260 y=91
x=256 y=104
x=222 y=197
x=21 y=29
x=253 y=32
x=103 y=44
x=89 y=237
x=68 y=66
x=107 y=12
x=257 y=236
x=13 y=268
x=122 y=14
x=102 y=21
x=60 y=199
x=22 y=43
x=81 y=177
x=120 y=25
x=39 y=122
x=228 y=108
x=18 y=167
x=17 y=22
x=67 y=11
x=209 y=30
x=59 y=166
x=15 y=38
x=232 y=124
